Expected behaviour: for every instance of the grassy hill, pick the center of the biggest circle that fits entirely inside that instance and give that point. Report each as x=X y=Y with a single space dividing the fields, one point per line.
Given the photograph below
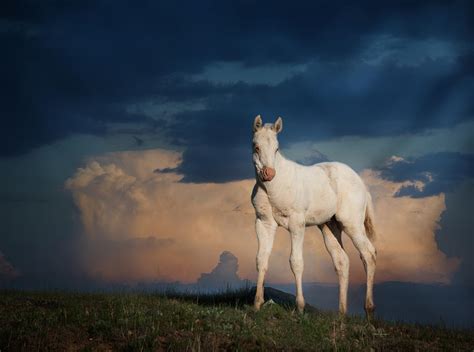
x=57 y=321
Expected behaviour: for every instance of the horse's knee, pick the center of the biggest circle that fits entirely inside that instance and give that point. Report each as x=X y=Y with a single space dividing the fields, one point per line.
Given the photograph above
x=296 y=264
x=262 y=263
x=369 y=255
x=366 y=249
x=373 y=253
x=341 y=263
x=263 y=255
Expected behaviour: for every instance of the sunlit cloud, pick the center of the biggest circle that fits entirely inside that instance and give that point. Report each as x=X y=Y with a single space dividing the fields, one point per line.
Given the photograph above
x=407 y=249
x=141 y=223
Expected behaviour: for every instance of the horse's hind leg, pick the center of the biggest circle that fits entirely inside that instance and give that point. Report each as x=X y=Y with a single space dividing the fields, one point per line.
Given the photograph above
x=368 y=255
x=333 y=241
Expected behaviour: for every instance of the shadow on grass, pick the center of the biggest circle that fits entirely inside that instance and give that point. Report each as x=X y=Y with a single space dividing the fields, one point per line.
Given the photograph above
x=236 y=297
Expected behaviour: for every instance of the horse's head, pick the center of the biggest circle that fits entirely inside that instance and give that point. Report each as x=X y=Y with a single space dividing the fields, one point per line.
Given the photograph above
x=265 y=147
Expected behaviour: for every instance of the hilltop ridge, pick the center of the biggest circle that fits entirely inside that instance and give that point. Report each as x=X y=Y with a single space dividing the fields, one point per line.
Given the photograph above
x=57 y=321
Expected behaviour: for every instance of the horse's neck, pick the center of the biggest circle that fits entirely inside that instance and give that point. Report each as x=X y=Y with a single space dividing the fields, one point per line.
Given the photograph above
x=284 y=169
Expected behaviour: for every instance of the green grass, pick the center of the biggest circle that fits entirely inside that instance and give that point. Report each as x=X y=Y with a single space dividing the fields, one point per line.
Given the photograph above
x=56 y=321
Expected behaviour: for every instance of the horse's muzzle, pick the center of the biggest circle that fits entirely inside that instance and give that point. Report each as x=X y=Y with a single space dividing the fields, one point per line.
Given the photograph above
x=267 y=173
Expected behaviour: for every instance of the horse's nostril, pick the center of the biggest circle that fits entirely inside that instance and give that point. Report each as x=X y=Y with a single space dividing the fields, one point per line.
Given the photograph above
x=268 y=173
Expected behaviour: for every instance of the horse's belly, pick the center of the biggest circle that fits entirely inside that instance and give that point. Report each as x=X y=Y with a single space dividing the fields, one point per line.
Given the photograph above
x=321 y=211
x=319 y=216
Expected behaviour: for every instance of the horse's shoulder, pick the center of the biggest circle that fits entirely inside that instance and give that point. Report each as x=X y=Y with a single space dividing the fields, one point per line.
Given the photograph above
x=261 y=203
x=259 y=194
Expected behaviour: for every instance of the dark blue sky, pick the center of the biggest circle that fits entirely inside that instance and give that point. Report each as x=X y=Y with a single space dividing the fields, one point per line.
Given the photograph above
x=357 y=82
x=368 y=69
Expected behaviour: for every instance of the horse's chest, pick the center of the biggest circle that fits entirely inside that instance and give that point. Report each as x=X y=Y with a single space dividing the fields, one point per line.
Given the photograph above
x=281 y=215
x=282 y=209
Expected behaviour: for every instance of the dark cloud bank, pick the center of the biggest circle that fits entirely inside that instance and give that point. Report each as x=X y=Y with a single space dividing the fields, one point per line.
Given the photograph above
x=74 y=68
x=440 y=172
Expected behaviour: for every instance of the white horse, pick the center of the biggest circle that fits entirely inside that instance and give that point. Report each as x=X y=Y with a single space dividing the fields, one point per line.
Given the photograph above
x=330 y=195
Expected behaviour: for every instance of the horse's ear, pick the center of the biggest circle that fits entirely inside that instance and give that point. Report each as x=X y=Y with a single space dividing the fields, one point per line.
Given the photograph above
x=278 y=125
x=257 y=123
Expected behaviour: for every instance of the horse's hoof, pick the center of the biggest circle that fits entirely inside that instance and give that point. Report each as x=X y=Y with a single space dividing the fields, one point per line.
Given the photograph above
x=300 y=305
x=369 y=313
x=257 y=305
x=342 y=327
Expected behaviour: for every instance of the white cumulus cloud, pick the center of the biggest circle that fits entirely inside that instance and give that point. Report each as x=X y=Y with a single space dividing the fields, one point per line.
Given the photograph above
x=141 y=223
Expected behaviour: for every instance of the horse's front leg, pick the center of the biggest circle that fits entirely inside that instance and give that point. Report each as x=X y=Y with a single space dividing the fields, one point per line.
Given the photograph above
x=265 y=234
x=297 y=229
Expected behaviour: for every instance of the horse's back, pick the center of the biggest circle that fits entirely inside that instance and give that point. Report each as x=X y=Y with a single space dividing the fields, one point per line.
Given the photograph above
x=341 y=174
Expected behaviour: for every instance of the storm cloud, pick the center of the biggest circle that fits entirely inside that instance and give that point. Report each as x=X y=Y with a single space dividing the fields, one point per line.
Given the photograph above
x=436 y=173
x=84 y=67
x=122 y=199
x=224 y=275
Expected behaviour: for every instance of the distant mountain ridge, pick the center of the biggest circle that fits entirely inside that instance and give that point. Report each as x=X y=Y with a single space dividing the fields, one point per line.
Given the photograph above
x=438 y=304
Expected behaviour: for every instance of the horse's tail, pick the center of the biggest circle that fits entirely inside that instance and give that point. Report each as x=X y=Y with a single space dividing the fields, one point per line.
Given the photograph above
x=369 y=218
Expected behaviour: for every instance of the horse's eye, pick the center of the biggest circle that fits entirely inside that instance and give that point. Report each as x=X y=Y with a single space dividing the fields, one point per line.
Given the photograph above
x=256 y=148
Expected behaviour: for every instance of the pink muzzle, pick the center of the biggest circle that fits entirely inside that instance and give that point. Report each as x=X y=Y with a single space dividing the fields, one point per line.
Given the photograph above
x=267 y=173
